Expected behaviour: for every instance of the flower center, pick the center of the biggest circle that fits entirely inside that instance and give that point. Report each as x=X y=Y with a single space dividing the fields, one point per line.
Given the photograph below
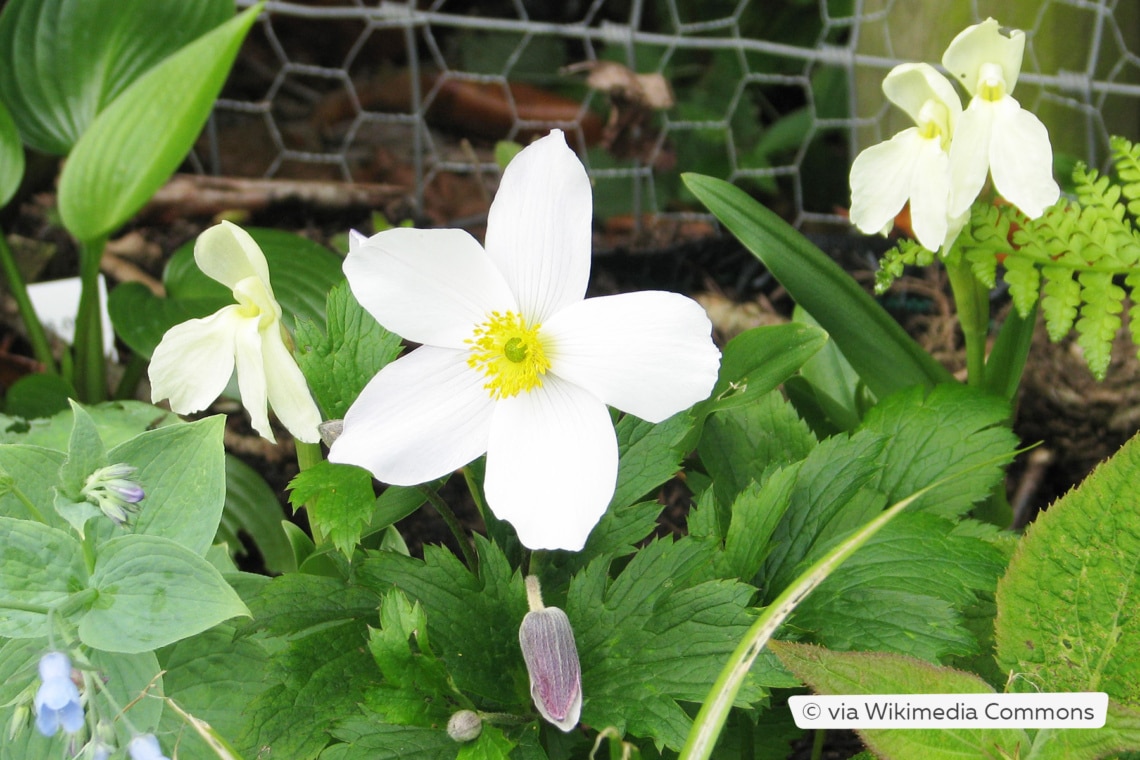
x=509 y=354
x=934 y=122
x=991 y=82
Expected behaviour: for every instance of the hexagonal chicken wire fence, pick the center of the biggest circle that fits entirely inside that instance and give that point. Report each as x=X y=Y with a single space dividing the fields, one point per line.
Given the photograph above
x=778 y=95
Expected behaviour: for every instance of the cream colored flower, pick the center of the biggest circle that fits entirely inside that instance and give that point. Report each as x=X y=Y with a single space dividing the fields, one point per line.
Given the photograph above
x=513 y=362
x=914 y=165
x=995 y=135
x=196 y=359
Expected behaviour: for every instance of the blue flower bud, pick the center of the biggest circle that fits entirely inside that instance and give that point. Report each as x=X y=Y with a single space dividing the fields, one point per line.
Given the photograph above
x=57 y=700
x=145 y=747
x=114 y=490
x=551 y=656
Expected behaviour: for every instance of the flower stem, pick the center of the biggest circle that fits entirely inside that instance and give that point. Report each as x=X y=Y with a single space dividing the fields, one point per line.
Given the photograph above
x=91 y=376
x=41 y=348
x=972 y=300
x=33 y=510
x=469 y=556
x=309 y=454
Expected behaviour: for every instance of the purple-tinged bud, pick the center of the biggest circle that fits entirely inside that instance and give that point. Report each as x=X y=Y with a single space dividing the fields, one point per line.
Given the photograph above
x=547 y=643
x=114 y=490
x=465 y=726
x=57 y=700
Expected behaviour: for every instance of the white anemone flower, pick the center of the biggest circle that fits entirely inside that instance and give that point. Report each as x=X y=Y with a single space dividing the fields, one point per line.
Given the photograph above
x=995 y=135
x=195 y=360
x=513 y=362
x=913 y=165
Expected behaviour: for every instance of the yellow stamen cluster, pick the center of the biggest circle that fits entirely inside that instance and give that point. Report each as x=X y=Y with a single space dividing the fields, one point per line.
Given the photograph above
x=509 y=354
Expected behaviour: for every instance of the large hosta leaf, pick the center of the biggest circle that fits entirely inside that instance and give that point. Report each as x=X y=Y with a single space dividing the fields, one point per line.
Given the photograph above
x=137 y=142
x=64 y=61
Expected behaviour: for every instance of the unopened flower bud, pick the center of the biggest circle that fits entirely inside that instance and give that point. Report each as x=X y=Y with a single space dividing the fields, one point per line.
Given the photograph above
x=465 y=726
x=114 y=490
x=551 y=656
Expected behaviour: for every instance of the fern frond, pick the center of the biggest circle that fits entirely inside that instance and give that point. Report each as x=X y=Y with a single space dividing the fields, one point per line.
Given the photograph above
x=1132 y=283
x=906 y=253
x=1102 y=303
x=1060 y=300
x=1126 y=158
x=1024 y=281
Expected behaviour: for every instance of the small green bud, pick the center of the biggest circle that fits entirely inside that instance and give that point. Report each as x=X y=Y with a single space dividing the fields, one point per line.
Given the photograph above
x=464 y=726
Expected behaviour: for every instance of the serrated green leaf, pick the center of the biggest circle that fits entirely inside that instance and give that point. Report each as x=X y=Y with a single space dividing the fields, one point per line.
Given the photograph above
x=316 y=680
x=11 y=156
x=153 y=592
x=1066 y=605
x=473 y=621
x=301 y=604
x=213 y=677
x=40 y=567
x=57 y=83
x=916 y=566
x=939 y=433
x=340 y=359
x=1099 y=320
x=338 y=498
x=365 y=739
x=415 y=690
x=755 y=514
x=1119 y=734
x=878 y=348
x=652 y=637
x=252 y=508
x=878 y=673
x=137 y=142
x=492 y=744
x=831 y=498
x=739 y=446
x=649 y=455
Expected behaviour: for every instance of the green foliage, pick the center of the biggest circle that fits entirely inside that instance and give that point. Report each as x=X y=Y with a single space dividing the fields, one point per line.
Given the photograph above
x=339 y=361
x=252 y=507
x=338 y=499
x=885 y=357
x=1065 y=607
x=137 y=141
x=906 y=253
x=656 y=634
x=11 y=156
x=56 y=84
x=830 y=672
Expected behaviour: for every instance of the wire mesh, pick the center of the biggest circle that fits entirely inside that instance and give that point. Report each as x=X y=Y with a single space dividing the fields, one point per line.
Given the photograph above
x=776 y=95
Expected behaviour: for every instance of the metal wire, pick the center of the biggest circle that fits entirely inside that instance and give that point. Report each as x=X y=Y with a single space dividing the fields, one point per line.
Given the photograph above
x=621 y=30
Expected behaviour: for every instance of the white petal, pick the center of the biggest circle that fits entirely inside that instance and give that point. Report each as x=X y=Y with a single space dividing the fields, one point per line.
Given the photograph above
x=649 y=353
x=551 y=465
x=195 y=360
x=1021 y=159
x=930 y=195
x=252 y=383
x=227 y=253
x=428 y=286
x=970 y=155
x=539 y=229
x=422 y=416
x=880 y=181
x=911 y=85
x=288 y=391
x=981 y=44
